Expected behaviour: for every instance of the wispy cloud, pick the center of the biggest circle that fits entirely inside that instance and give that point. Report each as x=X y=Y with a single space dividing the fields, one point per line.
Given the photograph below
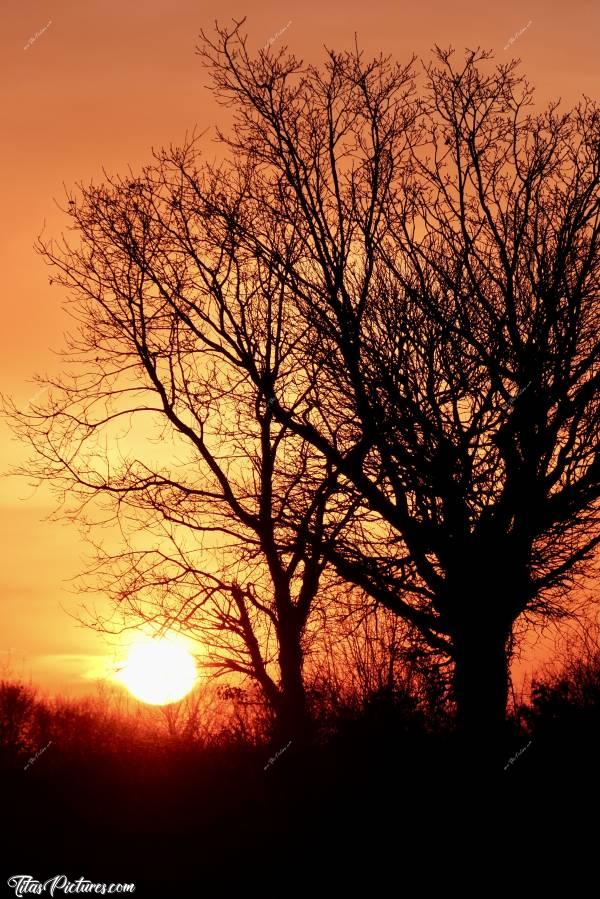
x=82 y=665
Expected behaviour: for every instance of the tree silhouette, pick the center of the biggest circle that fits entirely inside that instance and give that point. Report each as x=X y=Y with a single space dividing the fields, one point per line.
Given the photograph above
x=446 y=267
x=385 y=303
x=224 y=521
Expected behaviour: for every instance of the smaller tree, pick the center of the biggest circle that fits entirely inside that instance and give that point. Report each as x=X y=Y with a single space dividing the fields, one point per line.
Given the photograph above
x=224 y=520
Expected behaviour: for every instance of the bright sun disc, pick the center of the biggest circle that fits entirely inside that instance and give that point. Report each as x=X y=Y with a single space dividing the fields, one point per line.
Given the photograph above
x=158 y=671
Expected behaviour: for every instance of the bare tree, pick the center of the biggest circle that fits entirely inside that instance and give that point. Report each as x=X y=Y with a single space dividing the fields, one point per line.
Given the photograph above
x=446 y=261
x=224 y=516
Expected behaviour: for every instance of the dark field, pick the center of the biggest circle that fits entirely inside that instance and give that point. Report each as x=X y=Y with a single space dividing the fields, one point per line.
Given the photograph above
x=378 y=787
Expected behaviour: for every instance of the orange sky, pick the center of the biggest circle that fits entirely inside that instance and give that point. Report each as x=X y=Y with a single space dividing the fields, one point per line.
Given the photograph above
x=101 y=84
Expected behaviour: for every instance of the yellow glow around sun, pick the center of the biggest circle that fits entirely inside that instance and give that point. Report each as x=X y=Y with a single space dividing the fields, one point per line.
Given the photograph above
x=158 y=670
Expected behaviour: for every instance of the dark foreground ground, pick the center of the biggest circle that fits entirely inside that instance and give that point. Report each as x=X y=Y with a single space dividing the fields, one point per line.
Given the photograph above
x=382 y=800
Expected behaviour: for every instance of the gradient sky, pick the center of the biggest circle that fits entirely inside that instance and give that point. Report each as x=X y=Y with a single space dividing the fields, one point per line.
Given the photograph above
x=98 y=87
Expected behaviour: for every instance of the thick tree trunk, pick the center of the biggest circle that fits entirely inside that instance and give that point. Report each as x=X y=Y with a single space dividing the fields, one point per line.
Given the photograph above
x=293 y=718
x=481 y=680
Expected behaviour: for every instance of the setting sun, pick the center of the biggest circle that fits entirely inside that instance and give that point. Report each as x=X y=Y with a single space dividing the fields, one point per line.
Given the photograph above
x=158 y=671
